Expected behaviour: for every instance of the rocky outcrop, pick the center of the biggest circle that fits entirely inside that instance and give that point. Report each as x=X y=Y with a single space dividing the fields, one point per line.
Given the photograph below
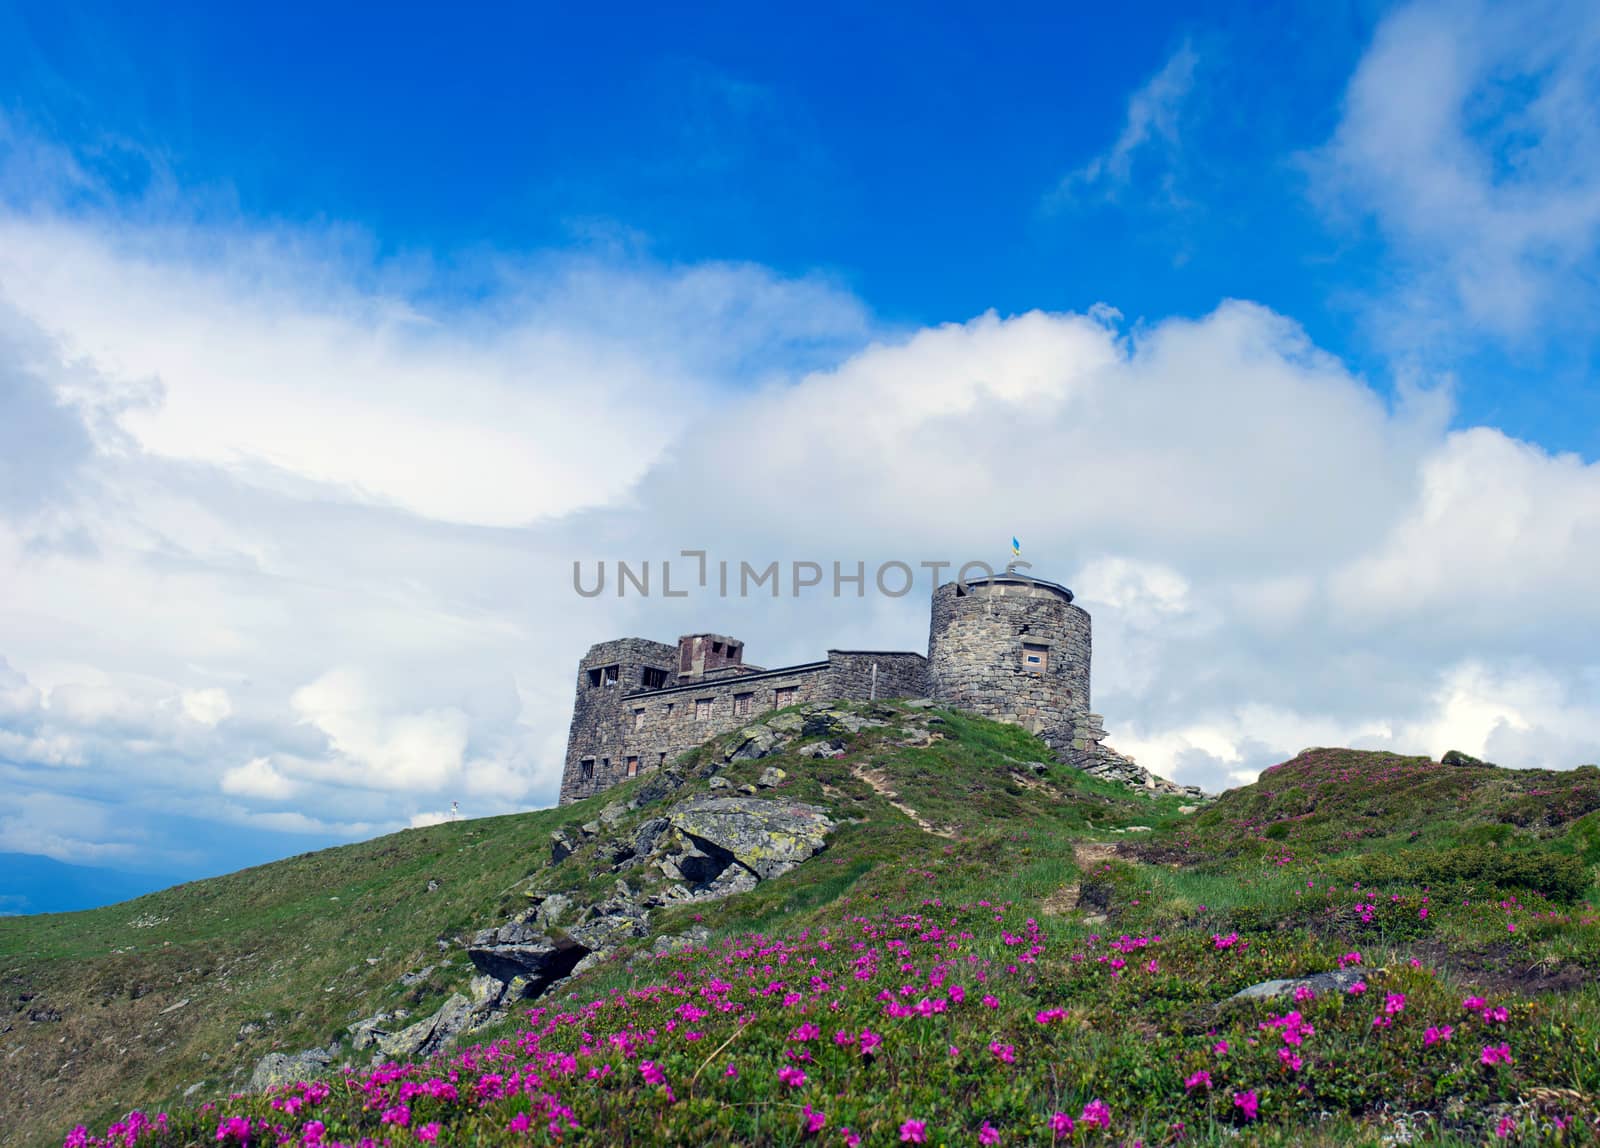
x=286 y=1068
x=766 y=837
x=1098 y=760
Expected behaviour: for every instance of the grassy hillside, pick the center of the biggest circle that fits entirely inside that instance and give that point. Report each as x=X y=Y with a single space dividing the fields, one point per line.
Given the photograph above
x=981 y=955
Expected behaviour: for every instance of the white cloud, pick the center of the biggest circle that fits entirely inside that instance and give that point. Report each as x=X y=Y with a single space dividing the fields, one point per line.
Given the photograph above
x=208 y=706
x=257 y=778
x=1151 y=125
x=408 y=751
x=1468 y=134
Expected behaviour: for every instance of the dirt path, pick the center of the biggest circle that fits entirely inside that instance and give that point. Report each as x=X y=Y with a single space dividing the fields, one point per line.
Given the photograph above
x=879 y=781
x=1085 y=855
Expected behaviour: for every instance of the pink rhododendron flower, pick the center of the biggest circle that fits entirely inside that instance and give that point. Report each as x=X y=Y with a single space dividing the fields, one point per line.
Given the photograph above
x=1357 y=989
x=1473 y=1004
x=429 y=1131
x=1095 y=1113
x=1394 y=1003
x=1061 y=1124
x=914 y=1132
x=1496 y=1054
x=651 y=1072
x=791 y=1076
x=1005 y=1052
x=851 y=1139
x=1248 y=1103
x=814 y=1120
x=1435 y=1034
x=988 y=1134
x=1200 y=1079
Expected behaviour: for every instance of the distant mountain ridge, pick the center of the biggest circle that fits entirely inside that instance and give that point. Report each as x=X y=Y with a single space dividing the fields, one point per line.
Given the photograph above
x=32 y=884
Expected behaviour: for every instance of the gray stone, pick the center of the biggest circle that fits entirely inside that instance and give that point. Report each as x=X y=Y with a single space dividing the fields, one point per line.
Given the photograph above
x=766 y=837
x=719 y=783
x=591 y=828
x=538 y=958
x=1337 y=981
x=552 y=909
x=428 y=1036
x=770 y=777
x=613 y=813
x=278 y=1068
x=560 y=848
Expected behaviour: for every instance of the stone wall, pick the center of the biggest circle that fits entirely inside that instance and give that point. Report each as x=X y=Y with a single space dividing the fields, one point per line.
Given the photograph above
x=622 y=731
x=899 y=675
x=977 y=645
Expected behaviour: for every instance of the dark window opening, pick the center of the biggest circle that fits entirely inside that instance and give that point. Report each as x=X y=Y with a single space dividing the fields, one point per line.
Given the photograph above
x=741 y=704
x=716 y=647
x=653 y=679
x=605 y=763
x=586 y=766
x=604 y=675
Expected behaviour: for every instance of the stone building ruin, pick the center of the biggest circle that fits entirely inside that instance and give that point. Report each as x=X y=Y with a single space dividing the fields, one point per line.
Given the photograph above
x=1009 y=647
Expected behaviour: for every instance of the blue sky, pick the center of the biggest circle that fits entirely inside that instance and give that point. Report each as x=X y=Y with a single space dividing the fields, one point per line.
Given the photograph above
x=328 y=338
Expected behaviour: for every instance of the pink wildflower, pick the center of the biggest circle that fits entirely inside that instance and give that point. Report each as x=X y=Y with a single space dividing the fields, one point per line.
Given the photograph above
x=914 y=1132
x=851 y=1139
x=1248 y=1103
x=814 y=1119
x=1394 y=1003
x=1496 y=1054
x=1220 y=1048
x=1435 y=1034
x=399 y=1114
x=1357 y=989
x=988 y=1134
x=429 y=1131
x=791 y=1076
x=869 y=1041
x=990 y=1001
x=1473 y=1004
x=1061 y=1124
x=1095 y=1113
x=1290 y=1059
x=651 y=1072
x=732 y=1073
x=1198 y=1080
x=1005 y=1052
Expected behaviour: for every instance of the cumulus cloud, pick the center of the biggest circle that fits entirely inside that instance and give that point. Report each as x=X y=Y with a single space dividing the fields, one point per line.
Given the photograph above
x=257 y=778
x=1468 y=136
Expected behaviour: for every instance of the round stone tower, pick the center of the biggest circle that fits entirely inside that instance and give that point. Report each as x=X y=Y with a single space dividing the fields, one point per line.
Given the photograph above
x=1015 y=648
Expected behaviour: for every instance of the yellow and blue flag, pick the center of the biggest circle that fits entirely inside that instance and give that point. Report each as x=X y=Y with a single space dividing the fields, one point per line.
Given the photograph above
x=1016 y=549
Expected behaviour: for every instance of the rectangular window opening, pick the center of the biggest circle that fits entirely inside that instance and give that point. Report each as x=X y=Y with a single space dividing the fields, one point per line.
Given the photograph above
x=741 y=704
x=783 y=696
x=702 y=709
x=586 y=766
x=1035 y=657
x=633 y=767
x=638 y=719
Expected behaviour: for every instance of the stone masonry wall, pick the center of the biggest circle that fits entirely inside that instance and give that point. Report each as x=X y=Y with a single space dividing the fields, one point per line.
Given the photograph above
x=612 y=726
x=976 y=650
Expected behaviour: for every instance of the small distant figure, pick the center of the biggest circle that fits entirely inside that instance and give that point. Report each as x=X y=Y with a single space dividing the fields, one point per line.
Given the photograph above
x=455 y=812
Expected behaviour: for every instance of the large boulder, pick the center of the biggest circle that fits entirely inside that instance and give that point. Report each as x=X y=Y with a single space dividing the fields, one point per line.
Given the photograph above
x=517 y=950
x=283 y=1068
x=427 y=1037
x=766 y=837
